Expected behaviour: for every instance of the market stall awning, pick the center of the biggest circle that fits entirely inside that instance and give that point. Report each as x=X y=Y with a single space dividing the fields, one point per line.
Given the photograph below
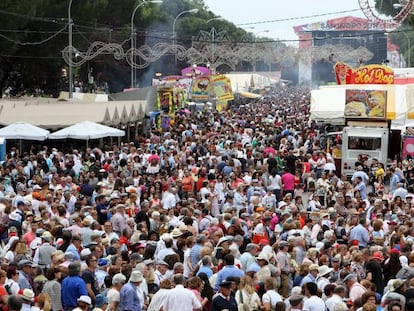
x=249 y=95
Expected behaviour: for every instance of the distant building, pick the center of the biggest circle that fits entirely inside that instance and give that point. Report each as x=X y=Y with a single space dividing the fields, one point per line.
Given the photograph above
x=349 y=31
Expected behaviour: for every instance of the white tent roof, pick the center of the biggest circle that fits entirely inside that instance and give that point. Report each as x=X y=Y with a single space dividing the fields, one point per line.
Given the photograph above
x=328 y=103
x=23 y=130
x=87 y=130
x=53 y=114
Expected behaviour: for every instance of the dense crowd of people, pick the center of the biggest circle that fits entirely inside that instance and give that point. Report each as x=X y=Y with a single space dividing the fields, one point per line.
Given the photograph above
x=239 y=210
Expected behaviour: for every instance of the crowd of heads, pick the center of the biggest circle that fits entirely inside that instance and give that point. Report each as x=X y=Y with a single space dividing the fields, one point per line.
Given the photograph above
x=247 y=202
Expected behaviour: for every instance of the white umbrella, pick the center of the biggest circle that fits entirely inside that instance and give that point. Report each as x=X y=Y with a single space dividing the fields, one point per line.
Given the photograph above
x=87 y=130
x=23 y=130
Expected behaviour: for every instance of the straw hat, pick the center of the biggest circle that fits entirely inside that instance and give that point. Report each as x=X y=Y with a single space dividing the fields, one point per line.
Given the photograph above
x=28 y=295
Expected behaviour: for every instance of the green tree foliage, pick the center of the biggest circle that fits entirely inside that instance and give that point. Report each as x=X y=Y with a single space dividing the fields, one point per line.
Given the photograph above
x=30 y=66
x=404 y=35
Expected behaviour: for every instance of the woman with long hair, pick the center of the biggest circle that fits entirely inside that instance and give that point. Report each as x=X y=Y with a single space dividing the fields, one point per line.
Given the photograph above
x=207 y=291
x=357 y=265
x=246 y=294
x=9 y=250
x=44 y=302
x=392 y=266
x=4 y=295
x=12 y=284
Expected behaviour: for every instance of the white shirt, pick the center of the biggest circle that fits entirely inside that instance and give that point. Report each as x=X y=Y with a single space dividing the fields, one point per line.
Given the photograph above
x=203 y=192
x=272 y=297
x=356 y=291
x=158 y=299
x=163 y=253
x=275 y=182
x=13 y=285
x=322 y=282
x=332 y=301
x=187 y=259
x=181 y=299
x=314 y=303
x=169 y=201
x=113 y=295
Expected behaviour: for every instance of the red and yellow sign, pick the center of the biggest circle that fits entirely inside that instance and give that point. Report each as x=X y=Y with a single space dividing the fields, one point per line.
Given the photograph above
x=369 y=74
x=369 y=104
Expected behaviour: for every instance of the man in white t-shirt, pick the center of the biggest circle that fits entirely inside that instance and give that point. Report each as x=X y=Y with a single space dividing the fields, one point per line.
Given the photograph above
x=337 y=297
x=180 y=298
x=113 y=293
x=314 y=303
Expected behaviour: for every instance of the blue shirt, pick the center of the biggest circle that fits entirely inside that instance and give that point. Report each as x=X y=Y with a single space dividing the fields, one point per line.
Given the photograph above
x=362 y=190
x=393 y=182
x=206 y=270
x=226 y=272
x=128 y=299
x=72 y=249
x=195 y=254
x=24 y=281
x=309 y=278
x=72 y=288
x=360 y=233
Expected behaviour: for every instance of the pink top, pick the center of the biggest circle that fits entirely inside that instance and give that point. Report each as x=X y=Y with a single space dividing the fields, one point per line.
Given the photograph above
x=288 y=181
x=197 y=293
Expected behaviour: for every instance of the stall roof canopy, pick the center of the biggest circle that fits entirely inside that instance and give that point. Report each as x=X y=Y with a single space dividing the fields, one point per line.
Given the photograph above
x=249 y=95
x=328 y=103
x=54 y=114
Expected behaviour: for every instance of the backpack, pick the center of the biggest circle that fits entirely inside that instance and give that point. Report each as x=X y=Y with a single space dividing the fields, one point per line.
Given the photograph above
x=319 y=237
x=7 y=287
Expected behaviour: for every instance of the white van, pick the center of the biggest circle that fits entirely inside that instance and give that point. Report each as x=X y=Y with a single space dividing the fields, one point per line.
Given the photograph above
x=368 y=141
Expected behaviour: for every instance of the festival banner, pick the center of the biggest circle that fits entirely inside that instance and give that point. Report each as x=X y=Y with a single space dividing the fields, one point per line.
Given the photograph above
x=367 y=104
x=408 y=146
x=221 y=105
x=222 y=88
x=201 y=88
x=195 y=71
x=166 y=99
x=369 y=74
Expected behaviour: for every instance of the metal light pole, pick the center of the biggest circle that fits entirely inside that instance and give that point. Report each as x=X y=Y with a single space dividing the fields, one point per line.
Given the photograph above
x=399 y=6
x=218 y=18
x=409 y=49
x=70 y=74
x=213 y=33
x=255 y=35
x=173 y=28
x=255 y=40
x=133 y=38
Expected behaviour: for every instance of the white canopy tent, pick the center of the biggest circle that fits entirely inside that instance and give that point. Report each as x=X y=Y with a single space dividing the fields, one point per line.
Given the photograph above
x=23 y=130
x=87 y=130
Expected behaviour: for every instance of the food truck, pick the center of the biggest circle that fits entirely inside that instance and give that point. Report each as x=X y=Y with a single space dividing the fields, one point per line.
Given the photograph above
x=370 y=114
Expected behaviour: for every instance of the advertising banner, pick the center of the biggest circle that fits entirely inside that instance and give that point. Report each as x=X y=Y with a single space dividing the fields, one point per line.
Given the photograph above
x=195 y=71
x=408 y=146
x=222 y=88
x=365 y=104
x=200 y=89
x=369 y=74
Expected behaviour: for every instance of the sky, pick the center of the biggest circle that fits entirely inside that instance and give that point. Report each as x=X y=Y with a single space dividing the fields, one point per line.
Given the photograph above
x=258 y=11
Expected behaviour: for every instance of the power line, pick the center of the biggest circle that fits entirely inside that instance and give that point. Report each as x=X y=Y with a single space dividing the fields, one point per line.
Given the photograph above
x=298 y=17
x=36 y=18
x=30 y=57
x=34 y=43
